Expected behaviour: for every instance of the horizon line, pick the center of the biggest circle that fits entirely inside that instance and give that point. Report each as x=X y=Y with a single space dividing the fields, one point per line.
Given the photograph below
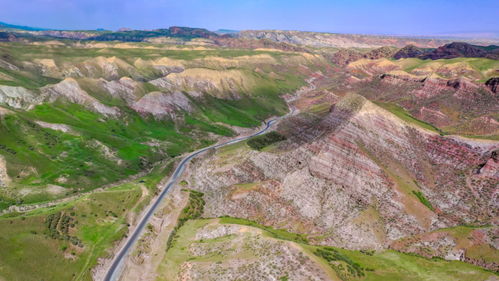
x=468 y=35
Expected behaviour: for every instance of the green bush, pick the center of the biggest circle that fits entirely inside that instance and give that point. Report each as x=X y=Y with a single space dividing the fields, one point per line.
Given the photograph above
x=259 y=142
x=423 y=199
x=192 y=211
x=330 y=254
x=58 y=225
x=276 y=233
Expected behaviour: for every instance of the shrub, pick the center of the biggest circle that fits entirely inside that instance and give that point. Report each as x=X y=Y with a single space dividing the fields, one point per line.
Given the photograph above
x=423 y=199
x=259 y=142
x=330 y=254
x=193 y=210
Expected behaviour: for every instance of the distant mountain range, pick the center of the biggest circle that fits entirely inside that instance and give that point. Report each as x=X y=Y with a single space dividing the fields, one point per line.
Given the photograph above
x=227 y=31
x=6 y=26
x=223 y=36
x=448 y=51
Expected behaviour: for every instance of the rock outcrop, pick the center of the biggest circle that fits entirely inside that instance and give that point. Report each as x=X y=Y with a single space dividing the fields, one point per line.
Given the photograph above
x=450 y=96
x=491 y=167
x=125 y=89
x=350 y=179
x=449 y=51
x=318 y=39
x=69 y=90
x=409 y=51
x=345 y=56
x=4 y=177
x=161 y=104
x=18 y=97
x=7 y=36
x=475 y=245
x=458 y=49
x=220 y=83
x=493 y=84
x=57 y=127
x=245 y=254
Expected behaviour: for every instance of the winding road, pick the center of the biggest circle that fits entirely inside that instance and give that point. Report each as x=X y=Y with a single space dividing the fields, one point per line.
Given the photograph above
x=114 y=270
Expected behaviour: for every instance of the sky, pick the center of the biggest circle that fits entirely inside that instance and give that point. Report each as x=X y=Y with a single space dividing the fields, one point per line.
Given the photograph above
x=415 y=17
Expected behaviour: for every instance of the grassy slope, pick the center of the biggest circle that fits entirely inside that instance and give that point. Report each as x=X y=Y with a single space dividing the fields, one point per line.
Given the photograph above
x=40 y=156
x=391 y=265
x=54 y=153
x=462 y=116
x=20 y=52
x=99 y=221
x=45 y=155
x=480 y=65
x=401 y=113
x=346 y=264
x=262 y=141
x=384 y=265
x=276 y=233
x=465 y=239
x=32 y=255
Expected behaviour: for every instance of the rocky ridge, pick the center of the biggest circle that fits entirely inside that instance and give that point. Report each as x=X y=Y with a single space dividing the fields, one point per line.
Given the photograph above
x=4 y=177
x=461 y=49
x=431 y=91
x=117 y=79
x=493 y=84
x=244 y=253
x=334 y=181
x=449 y=51
x=336 y=40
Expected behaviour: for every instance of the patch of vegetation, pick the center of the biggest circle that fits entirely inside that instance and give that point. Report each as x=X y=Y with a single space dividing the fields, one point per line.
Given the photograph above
x=383 y=265
x=43 y=155
x=254 y=106
x=58 y=226
x=404 y=115
x=26 y=79
x=390 y=265
x=368 y=252
x=39 y=156
x=192 y=122
x=366 y=265
x=5 y=202
x=276 y=233
x=23 y=52
x=155 y=175
x=486 y=137
x=423 y=199
x=245 y=112
x=336 y=260
x=184 y=33
x=69 y=237
x=261 y=141
x=481 y=65
x=126 y=134
x=75 y=160
x=193 y=210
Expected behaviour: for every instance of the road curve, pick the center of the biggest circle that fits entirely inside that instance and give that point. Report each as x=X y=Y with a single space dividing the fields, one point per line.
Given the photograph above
x=114 y=270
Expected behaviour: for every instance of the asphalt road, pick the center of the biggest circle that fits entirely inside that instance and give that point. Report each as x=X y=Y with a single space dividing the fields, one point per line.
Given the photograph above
x=114 y=270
